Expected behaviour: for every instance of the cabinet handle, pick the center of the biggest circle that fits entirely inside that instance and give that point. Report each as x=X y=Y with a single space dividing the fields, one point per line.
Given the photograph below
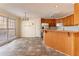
x=45 y=31
x=68 y=34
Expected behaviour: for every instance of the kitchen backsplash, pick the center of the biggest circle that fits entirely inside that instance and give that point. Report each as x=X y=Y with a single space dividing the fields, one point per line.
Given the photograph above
x=67 y=28
x=71 y=28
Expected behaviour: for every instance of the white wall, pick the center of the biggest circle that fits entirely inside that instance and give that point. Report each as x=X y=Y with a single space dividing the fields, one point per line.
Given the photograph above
x=28 y=30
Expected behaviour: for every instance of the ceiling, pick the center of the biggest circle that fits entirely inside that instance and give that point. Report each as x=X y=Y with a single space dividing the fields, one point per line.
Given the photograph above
x=43 y=10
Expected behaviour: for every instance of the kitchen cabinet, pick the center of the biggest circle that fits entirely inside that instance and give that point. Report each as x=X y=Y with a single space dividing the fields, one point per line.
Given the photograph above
x=69 y=44
x=60 y=40
x=59 y=20
x=48 y=39
x=76 y=52
x=51 y=22
x=76 y=7
x=67 y=21
x=76 y=13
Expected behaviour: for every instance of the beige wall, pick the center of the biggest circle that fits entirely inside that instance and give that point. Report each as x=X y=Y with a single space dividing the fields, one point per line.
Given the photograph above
x=7 y=14
x=18 y=29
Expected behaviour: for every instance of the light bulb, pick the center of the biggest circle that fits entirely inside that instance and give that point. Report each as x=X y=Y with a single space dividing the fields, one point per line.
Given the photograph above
x=56 y=6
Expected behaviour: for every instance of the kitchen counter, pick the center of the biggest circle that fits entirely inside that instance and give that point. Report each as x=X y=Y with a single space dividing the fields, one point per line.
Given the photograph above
x=66 y=42
x=76 y=31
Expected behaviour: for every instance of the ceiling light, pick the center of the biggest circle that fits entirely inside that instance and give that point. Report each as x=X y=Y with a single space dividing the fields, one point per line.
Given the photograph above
x=26 y=17
x=56 y=6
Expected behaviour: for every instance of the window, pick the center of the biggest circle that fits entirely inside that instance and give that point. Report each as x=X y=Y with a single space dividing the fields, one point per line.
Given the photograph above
x=7 y=28
x=11 y=28
x=3 y=28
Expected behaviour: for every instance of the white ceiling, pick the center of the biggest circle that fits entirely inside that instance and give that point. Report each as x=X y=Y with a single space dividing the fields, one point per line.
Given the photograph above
x=46 y=10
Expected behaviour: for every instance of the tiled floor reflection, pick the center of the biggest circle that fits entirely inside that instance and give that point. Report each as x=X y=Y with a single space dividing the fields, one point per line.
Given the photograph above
x=27 y=47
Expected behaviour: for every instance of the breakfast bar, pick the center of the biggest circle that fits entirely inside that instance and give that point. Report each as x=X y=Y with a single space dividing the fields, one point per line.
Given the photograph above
x=66 y=42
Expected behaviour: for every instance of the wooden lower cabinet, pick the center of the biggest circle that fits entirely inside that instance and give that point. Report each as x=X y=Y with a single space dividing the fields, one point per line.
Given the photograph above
x=76 y=44
x=61 y=41
x=69 y=48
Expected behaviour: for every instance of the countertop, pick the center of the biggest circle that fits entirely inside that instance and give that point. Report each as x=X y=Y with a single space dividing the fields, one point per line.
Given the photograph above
x=61 y=31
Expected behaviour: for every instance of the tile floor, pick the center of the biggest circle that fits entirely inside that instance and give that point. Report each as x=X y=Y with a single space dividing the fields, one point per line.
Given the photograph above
x=27 y=47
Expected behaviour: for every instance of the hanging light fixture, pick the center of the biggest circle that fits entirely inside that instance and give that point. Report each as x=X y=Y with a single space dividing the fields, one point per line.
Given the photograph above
x=26 y=18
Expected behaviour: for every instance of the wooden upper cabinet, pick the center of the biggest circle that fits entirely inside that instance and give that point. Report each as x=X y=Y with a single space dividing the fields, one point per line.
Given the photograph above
x=76 y=7
x=76 y=14
x=67 y=21
x=51 y=22
x=59 y=20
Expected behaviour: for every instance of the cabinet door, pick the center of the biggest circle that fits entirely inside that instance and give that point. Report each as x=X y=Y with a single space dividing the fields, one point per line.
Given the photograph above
x=72 y=20
x=49 y=39
x=76 y=14
x=60 y=41
x=66 y=21
x=76 y=50
x=55 y=40
x=76 y=8
x=76 y=19
x=69 y=20
x=69 y=44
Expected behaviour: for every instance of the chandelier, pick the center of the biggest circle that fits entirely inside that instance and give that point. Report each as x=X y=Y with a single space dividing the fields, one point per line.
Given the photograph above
x=26 y=17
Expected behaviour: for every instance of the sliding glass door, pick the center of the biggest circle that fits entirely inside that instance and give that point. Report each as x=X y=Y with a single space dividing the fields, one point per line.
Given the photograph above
x=7 y=28
x=11 y=29
x=3 y=28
